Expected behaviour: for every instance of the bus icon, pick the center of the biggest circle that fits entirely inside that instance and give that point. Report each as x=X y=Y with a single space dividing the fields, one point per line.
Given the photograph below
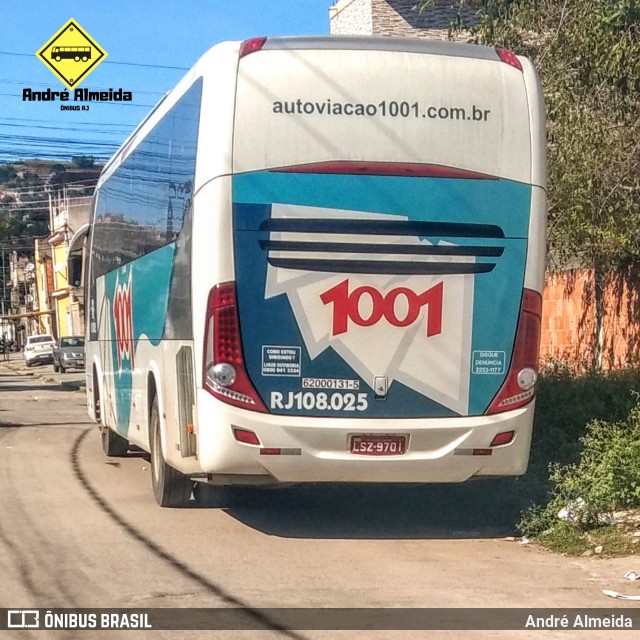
x=71 y=53
x=23 y=618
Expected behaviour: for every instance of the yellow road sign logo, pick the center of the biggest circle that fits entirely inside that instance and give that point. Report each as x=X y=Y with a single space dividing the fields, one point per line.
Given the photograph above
x=71 y=54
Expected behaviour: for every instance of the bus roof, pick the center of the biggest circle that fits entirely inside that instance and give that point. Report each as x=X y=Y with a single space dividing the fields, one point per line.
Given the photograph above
x=373 y=43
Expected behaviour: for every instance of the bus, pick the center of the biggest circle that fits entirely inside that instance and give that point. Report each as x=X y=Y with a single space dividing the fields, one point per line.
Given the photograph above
x=320 y=259
x=71 y=53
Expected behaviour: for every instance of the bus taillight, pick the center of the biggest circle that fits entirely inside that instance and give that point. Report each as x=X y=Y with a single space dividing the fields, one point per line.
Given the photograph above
x=225 y=375
x=519 y=387
x=509 y=58
x=252 y=45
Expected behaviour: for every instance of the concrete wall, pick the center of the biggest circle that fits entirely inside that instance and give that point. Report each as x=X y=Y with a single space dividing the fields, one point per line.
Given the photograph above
x=351 y=17
x=392 y=18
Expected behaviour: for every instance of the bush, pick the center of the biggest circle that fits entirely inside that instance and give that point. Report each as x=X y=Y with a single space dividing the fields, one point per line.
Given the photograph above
x=84 y=162
x=7 y=172
x=606 y=478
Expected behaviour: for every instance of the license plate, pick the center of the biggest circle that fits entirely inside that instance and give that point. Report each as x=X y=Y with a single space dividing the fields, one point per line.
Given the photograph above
x=370 y=445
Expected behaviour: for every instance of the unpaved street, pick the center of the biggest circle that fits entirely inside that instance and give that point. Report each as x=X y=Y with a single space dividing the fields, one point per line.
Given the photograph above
x=80 y=530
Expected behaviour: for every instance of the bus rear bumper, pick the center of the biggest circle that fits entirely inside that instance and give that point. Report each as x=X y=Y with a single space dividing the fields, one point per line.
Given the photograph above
x=300 y=449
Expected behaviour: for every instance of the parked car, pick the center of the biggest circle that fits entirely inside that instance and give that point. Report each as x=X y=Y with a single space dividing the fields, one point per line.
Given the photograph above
x=38 y=349
x=8 y=346
x=68 y=353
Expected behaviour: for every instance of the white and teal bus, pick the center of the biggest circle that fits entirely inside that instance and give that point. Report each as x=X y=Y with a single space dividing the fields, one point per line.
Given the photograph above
x=321 y=259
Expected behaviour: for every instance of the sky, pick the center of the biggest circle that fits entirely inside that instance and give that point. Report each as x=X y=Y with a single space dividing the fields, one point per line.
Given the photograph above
x=150 y=45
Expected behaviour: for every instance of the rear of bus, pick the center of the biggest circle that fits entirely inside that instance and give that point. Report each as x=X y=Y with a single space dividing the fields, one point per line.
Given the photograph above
x=388 y=240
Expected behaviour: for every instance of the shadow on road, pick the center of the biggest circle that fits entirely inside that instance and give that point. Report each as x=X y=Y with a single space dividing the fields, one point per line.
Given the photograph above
x=16 y=386
x=377 y=511
x=41 y=425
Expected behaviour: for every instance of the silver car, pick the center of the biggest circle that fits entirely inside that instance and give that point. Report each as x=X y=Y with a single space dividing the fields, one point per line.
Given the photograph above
x=68 y=353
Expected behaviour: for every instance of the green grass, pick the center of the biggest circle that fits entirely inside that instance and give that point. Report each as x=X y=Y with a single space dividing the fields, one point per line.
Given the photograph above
x=570 y=540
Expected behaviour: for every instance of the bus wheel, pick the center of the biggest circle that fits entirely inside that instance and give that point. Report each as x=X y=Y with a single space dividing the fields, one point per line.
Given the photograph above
x=113 y=444
x=58 y=58
x=84 y=58
x=77 y=58
x=170 y=487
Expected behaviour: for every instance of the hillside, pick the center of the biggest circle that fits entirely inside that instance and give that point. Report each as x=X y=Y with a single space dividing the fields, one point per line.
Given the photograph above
x=25 y=188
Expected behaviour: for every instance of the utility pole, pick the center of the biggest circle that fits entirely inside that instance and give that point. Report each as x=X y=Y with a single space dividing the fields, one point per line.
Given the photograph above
x=4 y=280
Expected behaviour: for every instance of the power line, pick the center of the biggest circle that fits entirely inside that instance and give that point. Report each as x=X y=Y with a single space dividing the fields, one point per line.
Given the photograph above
x=32 y=202
x=36 y=126
x=43 y=187
x=128 y=64
x=105 y=124
x=115 y=102
x=29 y=153
x=23 y=83
x=49 y=139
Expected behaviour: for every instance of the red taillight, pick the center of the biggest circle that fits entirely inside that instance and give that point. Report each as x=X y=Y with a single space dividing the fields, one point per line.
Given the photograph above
x=224 y=374
x=519 y=387
x=252 y=45
x=245 y=436
x=509 y=57
x=505 y=437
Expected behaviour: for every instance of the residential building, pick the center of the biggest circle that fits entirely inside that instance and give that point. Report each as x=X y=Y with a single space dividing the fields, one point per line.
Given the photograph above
x=67 y=216
x=44 y=286
x=23 y=298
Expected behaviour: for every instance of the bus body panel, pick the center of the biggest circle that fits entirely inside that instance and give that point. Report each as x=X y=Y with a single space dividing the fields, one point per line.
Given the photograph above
x=537 y=241
x=428 y=336
x=317 y=449
x=296 y=107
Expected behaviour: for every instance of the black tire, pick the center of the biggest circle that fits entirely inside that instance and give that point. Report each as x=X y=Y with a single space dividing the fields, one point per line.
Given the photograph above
x=97 y=408
x=170 y=487
x=55 y=368
x=62 y=369
x=113 y=444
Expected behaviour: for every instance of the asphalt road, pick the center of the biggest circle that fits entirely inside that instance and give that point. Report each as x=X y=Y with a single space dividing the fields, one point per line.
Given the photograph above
x=78 y=529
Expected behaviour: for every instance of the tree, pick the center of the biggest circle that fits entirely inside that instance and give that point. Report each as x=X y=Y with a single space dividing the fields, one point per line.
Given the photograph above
x=84 y=162
x=58 y=169
x=7 y=172
x=587 y=53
